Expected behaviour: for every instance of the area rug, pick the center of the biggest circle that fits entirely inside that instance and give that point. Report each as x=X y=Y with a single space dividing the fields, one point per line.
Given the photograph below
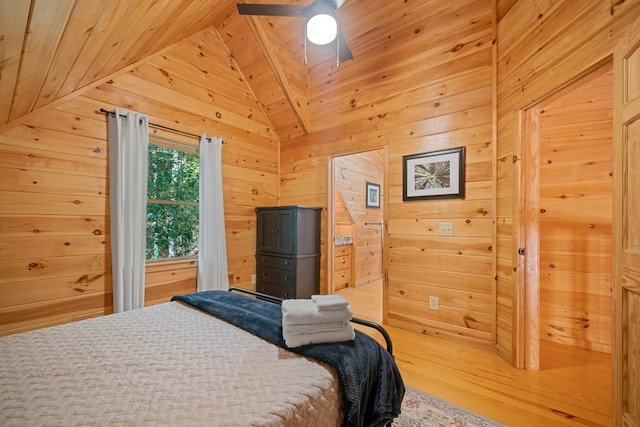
x=423 y=410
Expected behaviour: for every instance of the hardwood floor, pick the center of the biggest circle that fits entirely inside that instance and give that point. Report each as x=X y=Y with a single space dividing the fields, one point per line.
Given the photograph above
x=573 y=387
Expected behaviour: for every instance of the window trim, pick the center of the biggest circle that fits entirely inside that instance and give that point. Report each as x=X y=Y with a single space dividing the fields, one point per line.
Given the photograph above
x=171 y=144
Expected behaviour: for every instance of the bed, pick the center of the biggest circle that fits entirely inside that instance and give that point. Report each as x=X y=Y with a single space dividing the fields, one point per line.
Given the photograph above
x=211 y=358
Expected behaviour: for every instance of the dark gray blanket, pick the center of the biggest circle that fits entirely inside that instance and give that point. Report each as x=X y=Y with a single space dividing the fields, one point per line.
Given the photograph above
x=370 y=384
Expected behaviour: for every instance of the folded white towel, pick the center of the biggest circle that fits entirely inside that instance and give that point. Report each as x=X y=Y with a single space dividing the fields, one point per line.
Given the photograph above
x=299 y=308
x=330 y=302
x=297 y=340
x=305 y=312
x=310 y=329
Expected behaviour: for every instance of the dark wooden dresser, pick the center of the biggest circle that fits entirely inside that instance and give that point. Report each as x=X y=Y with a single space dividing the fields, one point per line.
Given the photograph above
x=288 y=251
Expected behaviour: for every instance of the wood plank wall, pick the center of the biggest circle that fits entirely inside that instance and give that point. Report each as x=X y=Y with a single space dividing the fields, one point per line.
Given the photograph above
x=343 y=224
x=576 y=209
x=54 y=220
x=432 y=91
x=542 y=47
x=344 y=256
x=351 y=174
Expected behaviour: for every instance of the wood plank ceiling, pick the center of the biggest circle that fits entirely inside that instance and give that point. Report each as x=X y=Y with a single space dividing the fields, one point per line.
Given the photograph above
x=50 y=49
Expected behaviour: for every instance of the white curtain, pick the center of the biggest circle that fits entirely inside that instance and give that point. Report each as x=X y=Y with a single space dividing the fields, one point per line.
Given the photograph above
x=128 y=169
x=212 y=250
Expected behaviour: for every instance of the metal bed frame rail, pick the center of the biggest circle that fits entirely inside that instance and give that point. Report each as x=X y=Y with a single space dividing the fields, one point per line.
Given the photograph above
x=368 y=323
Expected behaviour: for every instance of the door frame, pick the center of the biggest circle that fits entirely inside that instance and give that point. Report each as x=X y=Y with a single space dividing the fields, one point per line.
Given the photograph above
x=626 y=246
x=330 y=232
x=527 y=247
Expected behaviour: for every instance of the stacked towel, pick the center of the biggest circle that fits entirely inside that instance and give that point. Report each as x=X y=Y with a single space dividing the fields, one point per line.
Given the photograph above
x=315 y=321
x=330 y=302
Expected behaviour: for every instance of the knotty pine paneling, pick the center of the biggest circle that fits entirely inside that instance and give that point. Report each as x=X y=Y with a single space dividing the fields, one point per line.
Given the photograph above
x=420 y=82
x=166 y=279
x=576 y=190
x=431 y=91
x=307 y=184
x=283 y=99
x=541 y=48
x=409 y=79
x=51 y=49
x=46 y=18
x=54 y=196
x=343 y=222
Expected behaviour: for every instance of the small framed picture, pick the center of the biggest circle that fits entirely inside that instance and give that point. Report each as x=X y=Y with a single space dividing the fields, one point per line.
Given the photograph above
x=434 y=175
x=373 y=195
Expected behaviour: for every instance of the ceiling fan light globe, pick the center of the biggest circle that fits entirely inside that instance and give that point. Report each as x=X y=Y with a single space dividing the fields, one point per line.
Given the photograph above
x=322 y=29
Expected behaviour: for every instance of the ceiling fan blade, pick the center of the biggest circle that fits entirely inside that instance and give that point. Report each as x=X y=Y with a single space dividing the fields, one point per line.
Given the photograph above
x=272 y=10
x=338 y=3
x=344 y=51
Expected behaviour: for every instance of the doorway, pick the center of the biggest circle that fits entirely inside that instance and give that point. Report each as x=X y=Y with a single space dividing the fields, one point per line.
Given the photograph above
x=357 y=219
x=567 y=224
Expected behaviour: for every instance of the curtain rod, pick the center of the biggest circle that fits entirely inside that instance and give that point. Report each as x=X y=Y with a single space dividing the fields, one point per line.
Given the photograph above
x=102 y=110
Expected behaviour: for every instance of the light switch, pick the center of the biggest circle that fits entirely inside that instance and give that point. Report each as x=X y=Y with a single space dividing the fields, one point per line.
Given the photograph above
x=445 y=229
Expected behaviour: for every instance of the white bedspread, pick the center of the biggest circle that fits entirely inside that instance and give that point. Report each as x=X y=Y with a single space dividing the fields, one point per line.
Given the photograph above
x=163 y=365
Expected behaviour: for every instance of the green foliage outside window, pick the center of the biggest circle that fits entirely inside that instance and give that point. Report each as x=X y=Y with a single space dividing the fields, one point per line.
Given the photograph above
x=172 y=207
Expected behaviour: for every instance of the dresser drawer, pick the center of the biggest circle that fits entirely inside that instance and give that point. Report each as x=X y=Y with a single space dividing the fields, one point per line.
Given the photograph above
x=283 y=278
x=342 y=250
x=275 y=262
x=277 y=291
x=341 y=279
x=342 y=262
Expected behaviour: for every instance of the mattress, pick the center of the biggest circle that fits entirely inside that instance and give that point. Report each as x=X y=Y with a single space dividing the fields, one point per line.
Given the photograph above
x=168 y=364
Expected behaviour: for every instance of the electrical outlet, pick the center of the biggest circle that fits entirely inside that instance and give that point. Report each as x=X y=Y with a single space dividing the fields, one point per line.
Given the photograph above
x=433 y=303
x=445 y=229
x=253 y=279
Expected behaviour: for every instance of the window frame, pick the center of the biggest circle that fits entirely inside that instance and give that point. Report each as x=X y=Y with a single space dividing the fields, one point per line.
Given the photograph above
x=188 y=146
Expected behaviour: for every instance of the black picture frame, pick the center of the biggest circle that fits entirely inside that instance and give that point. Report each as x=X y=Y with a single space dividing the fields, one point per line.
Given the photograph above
x=373 y=195
x=434 y=175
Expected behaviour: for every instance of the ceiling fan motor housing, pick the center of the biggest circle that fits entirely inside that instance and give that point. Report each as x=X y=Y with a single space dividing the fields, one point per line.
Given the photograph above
x=323 y=7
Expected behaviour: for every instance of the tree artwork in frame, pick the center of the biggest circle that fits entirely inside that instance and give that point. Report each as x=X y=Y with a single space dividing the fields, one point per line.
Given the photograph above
x=373 y=195
x=434 y=175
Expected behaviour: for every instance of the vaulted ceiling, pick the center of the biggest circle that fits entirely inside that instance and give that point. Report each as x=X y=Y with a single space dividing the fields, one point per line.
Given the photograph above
x=51 y=50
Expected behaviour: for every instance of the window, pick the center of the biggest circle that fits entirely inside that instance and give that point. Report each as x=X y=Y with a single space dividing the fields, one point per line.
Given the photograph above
x=172 y=200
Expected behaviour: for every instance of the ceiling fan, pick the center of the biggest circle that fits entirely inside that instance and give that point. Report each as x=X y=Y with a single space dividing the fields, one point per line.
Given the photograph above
x=321 y=26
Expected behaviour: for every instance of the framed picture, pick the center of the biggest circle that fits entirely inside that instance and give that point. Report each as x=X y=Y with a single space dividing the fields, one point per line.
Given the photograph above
x=434 y=175
x=373 y=195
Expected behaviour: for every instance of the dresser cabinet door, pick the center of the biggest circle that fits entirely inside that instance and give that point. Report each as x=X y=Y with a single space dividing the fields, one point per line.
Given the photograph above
x=276 y=231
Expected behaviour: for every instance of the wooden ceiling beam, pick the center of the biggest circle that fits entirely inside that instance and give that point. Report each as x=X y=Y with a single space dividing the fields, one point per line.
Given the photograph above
x=298 y=101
